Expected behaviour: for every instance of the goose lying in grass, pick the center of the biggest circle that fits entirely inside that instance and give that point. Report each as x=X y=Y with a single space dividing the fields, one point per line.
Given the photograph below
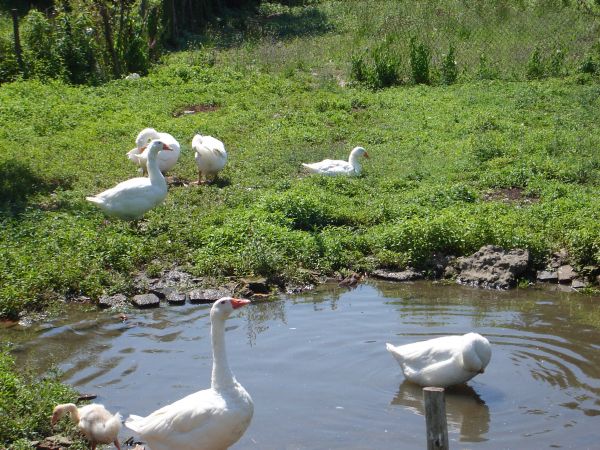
x=334 y=167
x=97 y=424
x=210 y=157
x=443 y=361
x=131 y=199
x=166 y=160
x=214 y=418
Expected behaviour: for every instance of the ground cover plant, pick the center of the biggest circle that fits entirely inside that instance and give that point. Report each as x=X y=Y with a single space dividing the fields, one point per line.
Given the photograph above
x=27 y=402
x=441 y=157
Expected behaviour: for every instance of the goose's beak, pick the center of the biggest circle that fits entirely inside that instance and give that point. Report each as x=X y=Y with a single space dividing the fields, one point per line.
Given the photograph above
x=239 y=302
x=366 y=155
x=166 y=147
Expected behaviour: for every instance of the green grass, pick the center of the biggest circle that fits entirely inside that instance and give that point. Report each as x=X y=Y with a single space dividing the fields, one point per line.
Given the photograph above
x=27 y=402
x=438 y=156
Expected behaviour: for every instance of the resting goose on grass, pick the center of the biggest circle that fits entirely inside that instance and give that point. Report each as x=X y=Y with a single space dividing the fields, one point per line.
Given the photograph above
x=166 y=160
x=333 y=167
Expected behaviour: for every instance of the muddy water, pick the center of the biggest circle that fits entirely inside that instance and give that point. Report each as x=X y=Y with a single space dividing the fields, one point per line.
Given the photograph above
x=319 y=374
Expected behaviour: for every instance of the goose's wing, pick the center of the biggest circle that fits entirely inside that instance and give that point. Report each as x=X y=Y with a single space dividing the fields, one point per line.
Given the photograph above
x=420 y=355
x=190 y=413
x=134 y=187
x=329 y=166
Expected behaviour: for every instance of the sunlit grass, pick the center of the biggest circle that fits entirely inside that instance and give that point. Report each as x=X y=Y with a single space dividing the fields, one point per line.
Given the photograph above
x=440 y=158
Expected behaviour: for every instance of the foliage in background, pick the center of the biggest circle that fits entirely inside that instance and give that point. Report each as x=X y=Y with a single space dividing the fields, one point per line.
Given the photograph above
x=26 y=404
x=87 y=42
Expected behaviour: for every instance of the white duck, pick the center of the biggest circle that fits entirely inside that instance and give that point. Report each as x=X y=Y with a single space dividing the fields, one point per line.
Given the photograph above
x=166 y=160
x=131 y=199
x=97 y=424
x=212 y=419
x=210 y=157
x=339 y=167
x=443 y=361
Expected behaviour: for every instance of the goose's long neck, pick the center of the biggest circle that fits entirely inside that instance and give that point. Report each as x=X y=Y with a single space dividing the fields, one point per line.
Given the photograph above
x=222 y=376
x=154 y=172
x=354 y=161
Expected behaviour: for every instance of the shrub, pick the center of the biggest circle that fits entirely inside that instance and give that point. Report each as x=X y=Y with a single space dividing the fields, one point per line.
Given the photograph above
x=449 y=69
x=419 y=62
x=588 y=65
x=557 y=62
x=535 y=65
x=27 y=402
x=386 y=65
x=384 y=71
x=359 y=71
x=484 y=69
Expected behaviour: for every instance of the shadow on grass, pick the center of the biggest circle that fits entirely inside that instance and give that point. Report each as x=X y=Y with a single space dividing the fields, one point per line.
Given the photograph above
x=19 y=182
x=237 y=27
x=310 y=22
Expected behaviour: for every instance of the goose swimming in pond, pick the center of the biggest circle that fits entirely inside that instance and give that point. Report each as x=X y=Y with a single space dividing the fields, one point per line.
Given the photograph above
x=339 y=167
x=97 y=424
x=210 y=157
x=212 y=419
x=443 y=361
x=131 y=199
x=166 y=160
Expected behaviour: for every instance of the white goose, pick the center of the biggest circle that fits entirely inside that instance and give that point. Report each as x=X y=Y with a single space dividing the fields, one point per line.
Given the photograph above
x=166 y=160
x=131 y=199
x=212 y=419
x=210 y=156
x=97 y=424
x=339 y=167
x=443 y=361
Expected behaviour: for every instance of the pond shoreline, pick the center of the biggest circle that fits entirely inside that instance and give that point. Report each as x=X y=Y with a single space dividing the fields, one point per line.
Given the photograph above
x=491 y=268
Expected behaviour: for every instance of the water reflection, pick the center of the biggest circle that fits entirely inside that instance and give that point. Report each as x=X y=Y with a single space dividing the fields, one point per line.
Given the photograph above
x=317 y=369
x=466 y=412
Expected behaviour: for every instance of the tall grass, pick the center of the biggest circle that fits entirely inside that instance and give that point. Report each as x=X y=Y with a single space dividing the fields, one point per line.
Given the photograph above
x=504 y=33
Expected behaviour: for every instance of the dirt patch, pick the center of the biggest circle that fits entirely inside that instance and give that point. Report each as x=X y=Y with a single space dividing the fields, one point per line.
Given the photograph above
x=193 y=109
x=509 y=195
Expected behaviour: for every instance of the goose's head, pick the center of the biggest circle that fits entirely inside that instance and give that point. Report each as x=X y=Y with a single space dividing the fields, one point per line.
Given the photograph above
x=478 y=353
x=223 y=307
x=157 y=145
x=60 y=410
x=358 y=151
x=144 y=136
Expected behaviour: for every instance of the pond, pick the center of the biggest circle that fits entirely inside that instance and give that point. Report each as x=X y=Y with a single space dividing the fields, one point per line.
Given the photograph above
x=321 y=378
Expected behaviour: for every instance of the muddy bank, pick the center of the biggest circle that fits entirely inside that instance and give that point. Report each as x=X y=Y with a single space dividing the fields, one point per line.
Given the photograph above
x=491 y=267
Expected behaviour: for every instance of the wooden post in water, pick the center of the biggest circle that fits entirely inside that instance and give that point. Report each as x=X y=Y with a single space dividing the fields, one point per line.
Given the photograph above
x=435 y=418
x=18 y=50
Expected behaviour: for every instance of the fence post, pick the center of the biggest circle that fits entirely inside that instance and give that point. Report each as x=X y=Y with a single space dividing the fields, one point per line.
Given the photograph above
x=435 y=418
x=18 y=50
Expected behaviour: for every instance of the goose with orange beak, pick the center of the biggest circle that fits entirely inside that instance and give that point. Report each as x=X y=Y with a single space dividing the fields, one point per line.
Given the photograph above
x=131 y=199
x=333 y=167
x=213 y=418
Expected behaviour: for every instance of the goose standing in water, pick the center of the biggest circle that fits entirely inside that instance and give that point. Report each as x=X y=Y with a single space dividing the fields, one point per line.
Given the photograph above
x=334 y=167
x=97 y=424
x=131 y=199
x=443 y=361
x=212 y=419
x=166 y=160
